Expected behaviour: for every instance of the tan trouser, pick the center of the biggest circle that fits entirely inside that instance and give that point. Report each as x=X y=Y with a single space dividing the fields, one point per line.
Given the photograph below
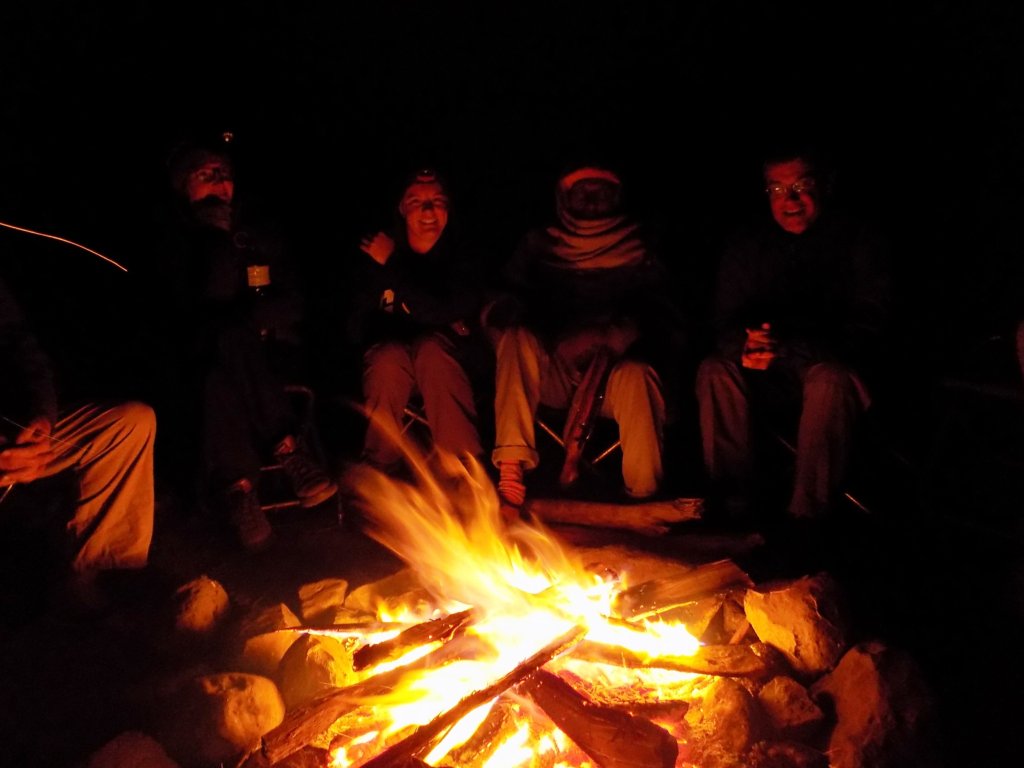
x=110 y=451
x=528 y=375
x=833 y=398
x=392 y=372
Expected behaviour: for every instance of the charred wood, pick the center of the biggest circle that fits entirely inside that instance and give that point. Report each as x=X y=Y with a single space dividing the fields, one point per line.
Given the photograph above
x=614 y=739
x=719 y=660
x=424 y=737
x=414 y=637
x=658 y=596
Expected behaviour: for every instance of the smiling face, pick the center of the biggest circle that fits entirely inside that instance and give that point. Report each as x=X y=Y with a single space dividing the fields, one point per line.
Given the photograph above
x=424 y=207
x=213 y=178
x=793 y=194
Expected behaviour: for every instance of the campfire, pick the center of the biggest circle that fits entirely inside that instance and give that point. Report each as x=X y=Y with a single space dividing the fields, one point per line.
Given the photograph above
x=503 y=646
x=522 y=653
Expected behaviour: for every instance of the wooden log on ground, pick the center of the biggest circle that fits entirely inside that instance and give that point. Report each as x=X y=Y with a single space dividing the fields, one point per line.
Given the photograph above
x=659 y=595
x=652 y=517
x=719 y=660
x=424 y=736
x=414 y=637
x=612 y=738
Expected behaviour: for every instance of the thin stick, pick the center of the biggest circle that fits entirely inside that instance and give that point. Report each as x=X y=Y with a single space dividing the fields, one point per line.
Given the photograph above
x=64 y=240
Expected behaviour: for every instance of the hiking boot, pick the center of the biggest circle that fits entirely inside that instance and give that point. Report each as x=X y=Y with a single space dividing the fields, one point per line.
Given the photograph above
x=309 y=481
x=249 y=520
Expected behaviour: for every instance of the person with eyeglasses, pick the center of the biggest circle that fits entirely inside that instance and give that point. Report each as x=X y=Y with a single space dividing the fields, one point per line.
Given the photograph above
x=802 y=301
x=227 y=328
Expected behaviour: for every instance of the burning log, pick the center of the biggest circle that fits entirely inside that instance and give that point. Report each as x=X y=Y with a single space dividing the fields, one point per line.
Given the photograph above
x=305 y=723
x=652 y=517
x=612 y=738
x=719 y=660
x=658 y=596
x=499 y=724
x=415 y=636
x=422 y=738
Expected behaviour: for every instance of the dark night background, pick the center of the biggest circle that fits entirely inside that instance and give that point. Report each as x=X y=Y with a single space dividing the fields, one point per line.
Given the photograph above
x=921 y=106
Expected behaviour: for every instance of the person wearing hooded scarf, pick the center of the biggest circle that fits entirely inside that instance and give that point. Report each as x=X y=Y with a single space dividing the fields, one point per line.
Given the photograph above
x=589 y=281
x=416 y=296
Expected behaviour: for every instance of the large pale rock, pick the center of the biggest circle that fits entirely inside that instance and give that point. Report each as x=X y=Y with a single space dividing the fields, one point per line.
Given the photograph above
x=200 y=606
x=264 y=639
x=394 y=596
x=726 y=716
x=320 y=600
x=802 y=619
x=790 y=709
x=884 y=713
x=131 y=749
x=312 y=665
x=225 y=715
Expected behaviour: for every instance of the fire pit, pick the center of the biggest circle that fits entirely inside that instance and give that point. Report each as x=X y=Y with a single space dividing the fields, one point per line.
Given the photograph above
x=507 y=647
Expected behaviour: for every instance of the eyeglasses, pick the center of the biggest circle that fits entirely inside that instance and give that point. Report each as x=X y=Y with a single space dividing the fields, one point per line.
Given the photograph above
x=213 y=175
x=800 y=186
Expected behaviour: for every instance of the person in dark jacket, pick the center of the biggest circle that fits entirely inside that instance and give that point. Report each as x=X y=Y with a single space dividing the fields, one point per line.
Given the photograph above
x=108 y=447
x=228 y=316
x=416 y=298
x=802 y=301
x=590 y=283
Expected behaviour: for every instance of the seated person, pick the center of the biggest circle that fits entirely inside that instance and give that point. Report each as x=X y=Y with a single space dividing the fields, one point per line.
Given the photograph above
x=413 y=317
x=588 y=285
x=802 y=299
x=227 y=317
x=109 y=448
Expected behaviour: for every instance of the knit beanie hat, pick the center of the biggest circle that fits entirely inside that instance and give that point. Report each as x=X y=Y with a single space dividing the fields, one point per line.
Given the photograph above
x=186 y=159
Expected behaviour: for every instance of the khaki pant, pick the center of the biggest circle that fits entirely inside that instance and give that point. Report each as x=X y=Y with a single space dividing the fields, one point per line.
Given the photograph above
x=393 y=372
x=528 y=375
x=110 y=452
x=832 y=399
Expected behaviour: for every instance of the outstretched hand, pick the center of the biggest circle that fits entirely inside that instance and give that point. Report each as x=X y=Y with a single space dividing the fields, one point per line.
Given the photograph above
x=26 y=458
x=379 y=246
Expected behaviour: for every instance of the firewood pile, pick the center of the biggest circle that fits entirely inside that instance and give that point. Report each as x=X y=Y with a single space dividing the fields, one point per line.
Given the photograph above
x=774 y=681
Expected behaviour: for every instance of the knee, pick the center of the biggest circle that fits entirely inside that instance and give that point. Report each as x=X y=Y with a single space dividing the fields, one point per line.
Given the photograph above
x=514 y=340
x=429 y=352
x=634 y=377
x=385 y=360
x=137 y=417
x=829 y=377
x=714 y=371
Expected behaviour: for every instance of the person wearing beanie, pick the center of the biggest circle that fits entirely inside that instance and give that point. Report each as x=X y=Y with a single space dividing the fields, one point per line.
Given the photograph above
x=228 y=315
x=589 y=283
x=413 y=315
